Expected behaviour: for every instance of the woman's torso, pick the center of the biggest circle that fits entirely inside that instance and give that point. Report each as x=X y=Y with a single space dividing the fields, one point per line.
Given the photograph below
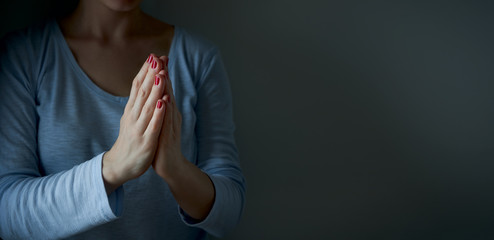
x=78 y=120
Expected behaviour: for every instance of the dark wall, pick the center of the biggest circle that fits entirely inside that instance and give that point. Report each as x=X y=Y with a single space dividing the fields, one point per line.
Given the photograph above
x=357 y=119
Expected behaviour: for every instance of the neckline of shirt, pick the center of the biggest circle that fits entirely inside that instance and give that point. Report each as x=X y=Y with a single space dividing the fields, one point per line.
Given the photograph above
x=69 y=56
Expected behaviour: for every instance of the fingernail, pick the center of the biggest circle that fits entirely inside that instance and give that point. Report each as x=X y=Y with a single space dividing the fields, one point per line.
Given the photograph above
x=156 y=80
x=159 y=104
x=154 y=65
x=150 y=58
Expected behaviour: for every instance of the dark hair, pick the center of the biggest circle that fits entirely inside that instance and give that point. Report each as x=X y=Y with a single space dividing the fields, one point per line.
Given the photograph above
x=33 y=11
x=62 y=8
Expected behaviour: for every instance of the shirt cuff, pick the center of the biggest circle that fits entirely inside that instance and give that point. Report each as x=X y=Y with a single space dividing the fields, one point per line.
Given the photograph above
x=219 y=212
x=116 y=201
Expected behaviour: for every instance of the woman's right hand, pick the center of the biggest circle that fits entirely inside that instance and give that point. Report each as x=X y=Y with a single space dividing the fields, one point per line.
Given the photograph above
x=140 y=126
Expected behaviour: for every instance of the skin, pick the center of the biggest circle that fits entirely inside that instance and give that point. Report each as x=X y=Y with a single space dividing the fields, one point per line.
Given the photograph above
x=110 y=39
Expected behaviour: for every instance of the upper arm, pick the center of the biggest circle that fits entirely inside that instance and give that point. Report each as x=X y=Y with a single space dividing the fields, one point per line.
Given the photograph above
x=18 y=122
x=217 y=151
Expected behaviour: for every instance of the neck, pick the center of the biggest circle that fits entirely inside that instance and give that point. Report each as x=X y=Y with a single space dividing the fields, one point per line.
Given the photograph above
x=93 y=19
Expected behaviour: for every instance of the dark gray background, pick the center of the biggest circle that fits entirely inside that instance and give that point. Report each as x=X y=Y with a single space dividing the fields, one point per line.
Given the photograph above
x=355 y=119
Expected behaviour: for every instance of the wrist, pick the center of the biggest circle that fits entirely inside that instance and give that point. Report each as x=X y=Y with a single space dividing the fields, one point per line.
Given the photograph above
x=110 y=174
x=173 y=169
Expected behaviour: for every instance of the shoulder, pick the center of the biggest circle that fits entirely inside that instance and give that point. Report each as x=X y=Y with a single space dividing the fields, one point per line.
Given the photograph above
x=194 y=42
x=29 y=38
x=193 y=45
x=22 y=52
x=192 y=50
x=27 y=45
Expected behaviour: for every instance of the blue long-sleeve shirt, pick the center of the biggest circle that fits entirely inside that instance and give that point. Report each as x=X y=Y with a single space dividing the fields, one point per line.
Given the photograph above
x=55 y=125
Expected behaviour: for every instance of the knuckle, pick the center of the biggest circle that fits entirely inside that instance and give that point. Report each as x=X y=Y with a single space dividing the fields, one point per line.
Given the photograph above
x=143 y=93
x=136 y=84
x=134 y=113
x=147 y=109
x=153 y=127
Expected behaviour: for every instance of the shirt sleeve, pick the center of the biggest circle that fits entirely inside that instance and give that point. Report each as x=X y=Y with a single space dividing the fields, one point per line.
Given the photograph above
x=32 y=205
x=217 y=152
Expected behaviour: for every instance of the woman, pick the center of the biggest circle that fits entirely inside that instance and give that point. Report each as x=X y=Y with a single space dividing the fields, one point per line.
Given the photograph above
x=88 y=149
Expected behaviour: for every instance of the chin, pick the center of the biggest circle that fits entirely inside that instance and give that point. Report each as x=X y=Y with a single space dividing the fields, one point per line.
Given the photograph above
x=122 y=5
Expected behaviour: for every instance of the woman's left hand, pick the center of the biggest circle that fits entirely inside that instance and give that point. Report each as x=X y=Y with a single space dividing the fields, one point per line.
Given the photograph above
x=169 y=155
x=192 y=188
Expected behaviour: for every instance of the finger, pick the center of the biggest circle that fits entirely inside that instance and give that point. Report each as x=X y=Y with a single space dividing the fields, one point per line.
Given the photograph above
x=167 y=122
x=169 y=87
x=146 y=87
x=177 y=121
x=154 y=127
x=136 y=83
x=165 y=60
x=155 y=95
x=175 y=118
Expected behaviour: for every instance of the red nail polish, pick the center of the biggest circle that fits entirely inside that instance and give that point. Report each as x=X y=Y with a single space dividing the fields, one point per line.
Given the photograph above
x=150 y=58
x=156 y=80
x=158 y=105
x=153 y=65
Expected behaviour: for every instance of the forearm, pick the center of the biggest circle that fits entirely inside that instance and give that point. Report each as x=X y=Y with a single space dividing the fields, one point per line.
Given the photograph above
x=191 y=187
x=37 y=207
